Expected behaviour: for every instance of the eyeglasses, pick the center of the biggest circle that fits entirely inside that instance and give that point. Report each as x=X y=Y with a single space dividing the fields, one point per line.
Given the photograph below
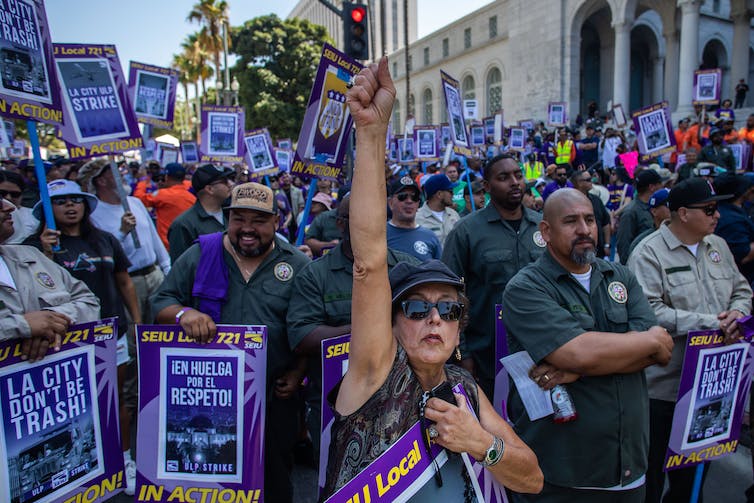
x=12 y=193
x=405 y=195
x=420 y=309
x=61 y=201
x=708 y=210
x=561 y=175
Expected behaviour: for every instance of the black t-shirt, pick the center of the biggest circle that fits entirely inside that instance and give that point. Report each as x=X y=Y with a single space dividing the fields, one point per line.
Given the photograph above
x=95 y=266
x=516 y=224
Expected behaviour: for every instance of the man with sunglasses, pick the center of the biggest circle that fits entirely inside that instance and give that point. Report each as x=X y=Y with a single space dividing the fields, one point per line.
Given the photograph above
x=24 y=223
x=212 y=185
x=403 y=234
x=691 y=281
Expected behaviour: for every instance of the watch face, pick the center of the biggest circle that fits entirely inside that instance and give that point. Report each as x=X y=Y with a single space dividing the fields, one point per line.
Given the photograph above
x=492 y=454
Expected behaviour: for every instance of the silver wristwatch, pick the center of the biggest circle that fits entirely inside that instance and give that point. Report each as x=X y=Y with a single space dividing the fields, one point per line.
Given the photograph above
x=494 y=452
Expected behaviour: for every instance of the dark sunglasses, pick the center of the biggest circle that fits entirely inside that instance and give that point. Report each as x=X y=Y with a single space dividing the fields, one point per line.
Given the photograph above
x=12 y=193
x=60 y=201
x=405 y=195
x=708 y=210
x=420 y=309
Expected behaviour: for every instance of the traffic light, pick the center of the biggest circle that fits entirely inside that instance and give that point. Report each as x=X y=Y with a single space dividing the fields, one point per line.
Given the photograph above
x=355 y=30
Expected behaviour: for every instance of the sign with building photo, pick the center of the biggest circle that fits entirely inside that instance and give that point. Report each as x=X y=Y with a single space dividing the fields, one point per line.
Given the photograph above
x=222 y=134
x=556 y=114
x=260 y=154
x=425 y=139
x=517 y=139
x=654 y=131
x=201 y=414
x=152 y=90
x=707 y=87
x=458 y=134
x=29 y=89
x=60 y=440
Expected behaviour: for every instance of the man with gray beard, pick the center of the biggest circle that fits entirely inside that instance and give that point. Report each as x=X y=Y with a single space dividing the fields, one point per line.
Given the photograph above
x=588 y=326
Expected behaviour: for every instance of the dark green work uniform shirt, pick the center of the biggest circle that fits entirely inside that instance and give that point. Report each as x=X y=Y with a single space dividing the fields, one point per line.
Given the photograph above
x=188 y=226
x=544 y=307
x=487 y=252
x=261 y=301
x=634 y=220
x=322 y=296
x=324 y=227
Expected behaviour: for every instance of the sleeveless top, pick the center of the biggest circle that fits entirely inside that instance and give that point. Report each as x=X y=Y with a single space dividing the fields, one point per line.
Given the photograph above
x=359 y=438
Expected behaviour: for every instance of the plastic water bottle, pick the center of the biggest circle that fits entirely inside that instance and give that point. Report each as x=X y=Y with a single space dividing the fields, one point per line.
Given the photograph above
x=562 y=404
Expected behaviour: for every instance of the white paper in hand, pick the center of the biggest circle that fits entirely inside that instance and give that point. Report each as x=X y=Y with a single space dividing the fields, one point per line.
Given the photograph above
x=536 y=400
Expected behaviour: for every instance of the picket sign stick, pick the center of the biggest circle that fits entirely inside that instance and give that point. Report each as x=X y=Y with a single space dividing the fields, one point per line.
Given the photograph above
x=697 y=483
x=267 y=180
x=39 y=169
x=471 y=195
x=124 y=200
x=305 y=216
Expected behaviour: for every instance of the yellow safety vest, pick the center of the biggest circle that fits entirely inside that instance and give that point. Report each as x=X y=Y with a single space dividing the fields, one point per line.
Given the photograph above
x=533 y=170
x=563 y=152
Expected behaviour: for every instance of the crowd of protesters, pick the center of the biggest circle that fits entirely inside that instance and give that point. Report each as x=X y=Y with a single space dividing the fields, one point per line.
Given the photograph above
x=536 y=229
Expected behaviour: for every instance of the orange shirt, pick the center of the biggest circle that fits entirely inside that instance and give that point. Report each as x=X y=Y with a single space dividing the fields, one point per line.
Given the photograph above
x=168 y=204
x=731 y=137
x=745 y=134
x=692 y=136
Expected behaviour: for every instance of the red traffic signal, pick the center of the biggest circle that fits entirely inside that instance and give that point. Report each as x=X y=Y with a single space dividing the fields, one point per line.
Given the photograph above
x=358 y=14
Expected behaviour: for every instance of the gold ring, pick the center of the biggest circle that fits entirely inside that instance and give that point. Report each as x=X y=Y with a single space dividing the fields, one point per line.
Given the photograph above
x=546 y=377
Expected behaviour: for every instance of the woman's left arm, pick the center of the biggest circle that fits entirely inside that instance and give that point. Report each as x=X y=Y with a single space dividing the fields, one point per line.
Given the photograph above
x=460 y=431
x=128 y=294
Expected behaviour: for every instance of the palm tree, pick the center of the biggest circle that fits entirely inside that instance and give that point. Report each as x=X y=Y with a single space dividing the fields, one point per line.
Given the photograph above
x=211 y=14
x=197 y=55
x=183 y=65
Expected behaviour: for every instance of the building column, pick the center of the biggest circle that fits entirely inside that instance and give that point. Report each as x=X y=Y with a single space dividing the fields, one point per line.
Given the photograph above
x=658 y=69
x=740 y=58
x=622 y=67
x=689 y=58
x=671 y=68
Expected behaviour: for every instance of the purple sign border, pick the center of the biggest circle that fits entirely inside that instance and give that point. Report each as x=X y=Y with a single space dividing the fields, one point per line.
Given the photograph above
x=17 y=107
x=697 y=341
x=130 y=140
x=151 y=340
x=260 y=174
x=133 y=68
x=303 y=165
x=644 y=153
x=459 y=146
x=204 y=153
x=103 y=339
x=717 y=96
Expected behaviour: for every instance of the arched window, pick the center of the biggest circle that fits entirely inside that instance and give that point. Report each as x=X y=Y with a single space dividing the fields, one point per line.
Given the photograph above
x=494 y=91
x=467 y=88
x=427 y=105
x=396 y=116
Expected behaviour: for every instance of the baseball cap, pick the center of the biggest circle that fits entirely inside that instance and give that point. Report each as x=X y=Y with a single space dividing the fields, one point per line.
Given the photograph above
x=253 y=196
x=61 y=188
x=693 y=191
x=402 y=183
x=405 y=276
x=90 y=171
x=436 y=183
x=208 y=174
x=735 y=185
x=175 y=170
x=646 y=178
x=477 y=186
x=659 y=198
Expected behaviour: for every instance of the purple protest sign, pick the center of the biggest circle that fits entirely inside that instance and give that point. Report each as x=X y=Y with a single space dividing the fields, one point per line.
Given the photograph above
x=201 y=419
x=715 y=383
x=334 y=365
x=426 y=143
x=99 y=119
x=60 y=436
x=654 y=131
x=556 y=114
x=152 y=92
x=502 y=383
x=707 y=87
x=189 y=152
x=222 y=134
x=284 y=159
x=28 y=86
x=458 y=134
x=322 y=142
x=167 y=153
x=260 y=154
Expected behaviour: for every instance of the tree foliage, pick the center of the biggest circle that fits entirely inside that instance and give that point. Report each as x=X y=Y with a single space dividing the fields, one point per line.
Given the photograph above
x=276 y=65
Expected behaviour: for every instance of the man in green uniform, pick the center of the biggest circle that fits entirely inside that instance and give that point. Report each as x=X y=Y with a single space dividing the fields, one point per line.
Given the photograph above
x=320 y=308
x=212 y=185
x=587 y=324
x=323 y=232
x=259 y=268
x=487 y=249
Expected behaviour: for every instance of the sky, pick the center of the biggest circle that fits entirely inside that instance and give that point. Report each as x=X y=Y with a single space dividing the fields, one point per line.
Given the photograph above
x=151 y=31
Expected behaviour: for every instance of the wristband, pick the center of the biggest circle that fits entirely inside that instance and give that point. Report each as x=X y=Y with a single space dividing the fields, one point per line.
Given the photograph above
x=181 y=313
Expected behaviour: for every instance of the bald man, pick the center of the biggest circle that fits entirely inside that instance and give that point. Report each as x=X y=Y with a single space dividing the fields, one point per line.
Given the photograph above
x=588 y=326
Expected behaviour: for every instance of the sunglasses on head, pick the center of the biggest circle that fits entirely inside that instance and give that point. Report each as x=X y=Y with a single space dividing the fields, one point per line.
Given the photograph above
x=405 y=195
x=420 y=309
x=60 y=201
x=12 y=193
x=708 y=210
